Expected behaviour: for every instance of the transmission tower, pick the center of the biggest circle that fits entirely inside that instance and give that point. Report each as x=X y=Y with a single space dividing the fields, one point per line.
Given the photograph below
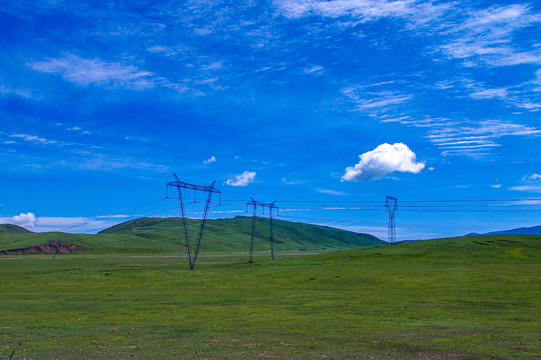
x=53 y=247
x=391 y=207
x=192 y=258
x=254 y=204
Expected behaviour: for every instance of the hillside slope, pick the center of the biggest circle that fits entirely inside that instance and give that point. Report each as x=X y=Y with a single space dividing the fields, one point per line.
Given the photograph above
x=483 y=249
x=222 y=235
x=234 y=234
x=13 y=229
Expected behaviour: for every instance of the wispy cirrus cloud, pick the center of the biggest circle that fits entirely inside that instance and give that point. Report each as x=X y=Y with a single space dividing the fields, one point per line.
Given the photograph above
x=34 y=139
x=331 y=192
x=105 y=163
x=372 y=98
x=527 y=188
x=18 y=91
x=476 y=138
x=485 y=37
x=85 y=72
x=466 y=137
x=73 y=155
x=363 y=10
x=500 y=93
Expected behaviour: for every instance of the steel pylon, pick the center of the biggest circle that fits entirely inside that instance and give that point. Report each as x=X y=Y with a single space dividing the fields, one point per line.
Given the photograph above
x=192 y=256
x=391 y=207
x=271 y=206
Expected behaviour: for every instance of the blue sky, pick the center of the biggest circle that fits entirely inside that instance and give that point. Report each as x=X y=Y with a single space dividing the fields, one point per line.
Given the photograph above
x=325 y=102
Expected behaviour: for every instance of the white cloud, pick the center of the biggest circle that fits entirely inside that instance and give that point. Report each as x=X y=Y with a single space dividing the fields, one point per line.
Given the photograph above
x=383 y=160
x=95 y=71
x=243 y=179
x=103 y=163
x=486 y=36
x=116 y=216
x=316 y=69
x=28 y=219
x=496 y=186
x=474 y=139
x=366 y=100
x=21 y=92
x=34 y=139
x=61 y=221
x=331 y=192
x=478 y=37
x=75 y=224
x=532 y=178
x=490 y=94
x=364 y=10
x=210 y=161
x=527 y=188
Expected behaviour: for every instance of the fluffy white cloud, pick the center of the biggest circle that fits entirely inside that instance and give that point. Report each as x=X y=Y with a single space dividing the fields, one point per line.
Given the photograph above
x=243 y=179
x=383 y=160
x=28 y=219
x=210 y=161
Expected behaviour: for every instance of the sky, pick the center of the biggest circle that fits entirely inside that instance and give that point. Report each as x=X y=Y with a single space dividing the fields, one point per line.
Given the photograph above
x=324 y=106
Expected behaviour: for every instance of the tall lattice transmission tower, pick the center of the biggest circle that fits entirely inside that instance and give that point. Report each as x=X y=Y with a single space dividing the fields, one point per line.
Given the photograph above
x=271 y=206
x=179 y=185
x=391 y=207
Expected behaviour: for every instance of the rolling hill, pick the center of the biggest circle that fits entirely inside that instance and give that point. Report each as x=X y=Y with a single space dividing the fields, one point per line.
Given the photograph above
x=13 y=229
x=221 y=235
x=482 y=249
x=234 y=234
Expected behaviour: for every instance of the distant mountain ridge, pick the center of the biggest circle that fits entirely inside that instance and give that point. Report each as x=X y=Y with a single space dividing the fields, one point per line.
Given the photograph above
x=533 y=230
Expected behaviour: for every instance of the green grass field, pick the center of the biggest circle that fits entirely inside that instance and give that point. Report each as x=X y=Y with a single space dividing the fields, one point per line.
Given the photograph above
x=463 y=298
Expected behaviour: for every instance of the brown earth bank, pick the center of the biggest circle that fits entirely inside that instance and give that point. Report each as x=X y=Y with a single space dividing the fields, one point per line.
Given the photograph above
x=49 y=248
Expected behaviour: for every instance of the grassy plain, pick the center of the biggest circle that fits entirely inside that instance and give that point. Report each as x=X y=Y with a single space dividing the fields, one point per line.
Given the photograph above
x=464 y=298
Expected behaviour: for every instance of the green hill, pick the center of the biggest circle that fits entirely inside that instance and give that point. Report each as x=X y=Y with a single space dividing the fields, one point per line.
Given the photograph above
x=234 y=234
x=13 y=229
x=221 y=235
x=483 y=249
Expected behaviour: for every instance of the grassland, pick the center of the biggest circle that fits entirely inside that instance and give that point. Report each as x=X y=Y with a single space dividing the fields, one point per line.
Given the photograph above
x=463 y=298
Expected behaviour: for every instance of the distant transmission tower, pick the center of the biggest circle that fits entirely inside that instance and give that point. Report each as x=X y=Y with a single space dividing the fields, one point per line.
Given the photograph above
x=254 y=204
x=53 y=247
x=192 y=258
x=391 y=207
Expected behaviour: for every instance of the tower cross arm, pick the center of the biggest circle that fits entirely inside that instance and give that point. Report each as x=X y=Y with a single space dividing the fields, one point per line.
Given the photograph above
x=181 y=184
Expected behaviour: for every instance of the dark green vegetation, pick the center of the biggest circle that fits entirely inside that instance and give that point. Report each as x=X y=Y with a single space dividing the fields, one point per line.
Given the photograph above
x=13 y=229
x=164 y=235
x=461 y=298
x=234 y=234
